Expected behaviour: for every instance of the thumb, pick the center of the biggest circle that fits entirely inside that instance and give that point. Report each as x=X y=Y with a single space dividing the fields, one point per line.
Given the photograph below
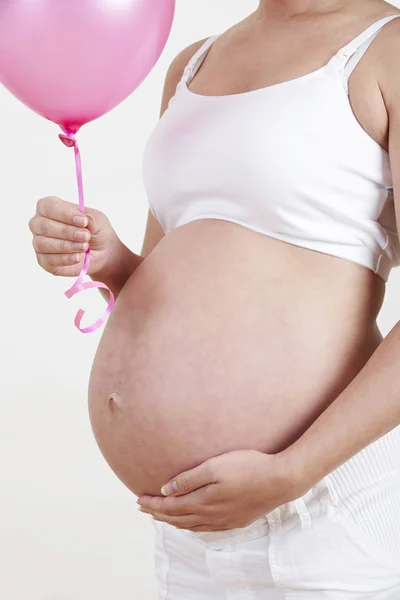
x=91 y=224
x=188 y=481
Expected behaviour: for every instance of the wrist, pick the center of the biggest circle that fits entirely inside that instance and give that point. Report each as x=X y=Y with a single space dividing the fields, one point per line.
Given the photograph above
x=294 y=469
x=120 y=262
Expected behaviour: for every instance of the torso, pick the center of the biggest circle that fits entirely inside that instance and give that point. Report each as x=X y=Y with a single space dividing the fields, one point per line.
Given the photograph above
x=224 y=338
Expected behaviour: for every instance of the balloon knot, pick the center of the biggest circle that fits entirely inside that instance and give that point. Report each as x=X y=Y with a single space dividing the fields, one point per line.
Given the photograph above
x=68 y=139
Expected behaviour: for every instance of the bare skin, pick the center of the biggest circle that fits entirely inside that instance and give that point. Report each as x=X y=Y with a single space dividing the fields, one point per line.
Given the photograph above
x=223 y=338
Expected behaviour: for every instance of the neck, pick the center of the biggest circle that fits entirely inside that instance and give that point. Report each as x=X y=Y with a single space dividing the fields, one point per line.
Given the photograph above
x=286 y=9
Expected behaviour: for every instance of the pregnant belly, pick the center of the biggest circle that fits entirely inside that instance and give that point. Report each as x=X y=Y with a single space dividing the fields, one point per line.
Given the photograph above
x=207 y=351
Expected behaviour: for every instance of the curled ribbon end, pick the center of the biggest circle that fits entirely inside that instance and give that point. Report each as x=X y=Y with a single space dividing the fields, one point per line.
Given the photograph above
x=78 y=318
x=80 y=287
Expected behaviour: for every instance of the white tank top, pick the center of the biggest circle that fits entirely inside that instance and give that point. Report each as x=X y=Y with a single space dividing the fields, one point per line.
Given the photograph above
x=290 y=161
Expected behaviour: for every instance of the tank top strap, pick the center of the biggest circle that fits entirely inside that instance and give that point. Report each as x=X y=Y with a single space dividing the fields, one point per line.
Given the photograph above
x=358 y=46
x=197 y=58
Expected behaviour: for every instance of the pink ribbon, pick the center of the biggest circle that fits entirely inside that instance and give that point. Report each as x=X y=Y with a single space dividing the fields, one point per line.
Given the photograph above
x=70 y=141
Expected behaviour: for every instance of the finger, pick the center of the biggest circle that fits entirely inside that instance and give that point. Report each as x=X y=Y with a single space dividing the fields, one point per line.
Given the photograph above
x=72 y=271
x=207 y=528
x=169 y=506
x=182 y=522
x=48 y=245
x=53 y=262
x=60 y=210
x=191 y=480
x=46 y=227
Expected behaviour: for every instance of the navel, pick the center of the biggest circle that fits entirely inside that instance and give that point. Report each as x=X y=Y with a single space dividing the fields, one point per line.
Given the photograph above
x=114 y=401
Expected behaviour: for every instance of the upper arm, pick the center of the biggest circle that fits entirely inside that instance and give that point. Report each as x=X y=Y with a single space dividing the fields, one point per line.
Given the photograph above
x=154 y=231
x=389 y=83
x=153 y=234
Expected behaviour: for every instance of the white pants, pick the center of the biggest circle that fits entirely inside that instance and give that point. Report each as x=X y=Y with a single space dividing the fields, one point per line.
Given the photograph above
x=340 y=541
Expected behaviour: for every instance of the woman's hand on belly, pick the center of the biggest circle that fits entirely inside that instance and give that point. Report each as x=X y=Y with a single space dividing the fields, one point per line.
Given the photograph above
x=225 y=492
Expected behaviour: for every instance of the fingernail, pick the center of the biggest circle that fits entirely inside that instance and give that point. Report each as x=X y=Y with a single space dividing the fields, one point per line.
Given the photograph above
x=83 y=246
x=83 y=236
x=80 y=221
x=169 y=488
x=92 y=218
x=74 y=258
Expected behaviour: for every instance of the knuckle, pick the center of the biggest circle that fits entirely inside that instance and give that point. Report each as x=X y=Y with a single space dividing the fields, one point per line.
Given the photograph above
x=38 y=244
x=43 y=227
x=55 y=262
x=189 y=507
x=185 y=482
x=43 y=204
x=64 y=246
x=206 y=497
x=53 y=266
x=43 y=262
x=153 y=506
x=50 y=261
x=210 y=471
x=56 y=271
x=31 y=224
x=199 y=508
x=65 y=231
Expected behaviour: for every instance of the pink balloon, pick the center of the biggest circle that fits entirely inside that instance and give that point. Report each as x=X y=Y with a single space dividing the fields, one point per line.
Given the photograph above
x=72 y=61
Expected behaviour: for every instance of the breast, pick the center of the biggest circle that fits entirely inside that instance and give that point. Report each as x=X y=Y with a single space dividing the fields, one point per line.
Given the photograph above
x=290 y=158
x=214 y=346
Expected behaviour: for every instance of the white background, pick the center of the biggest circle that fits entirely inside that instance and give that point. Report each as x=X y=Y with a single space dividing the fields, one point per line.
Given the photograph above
x=69 y=530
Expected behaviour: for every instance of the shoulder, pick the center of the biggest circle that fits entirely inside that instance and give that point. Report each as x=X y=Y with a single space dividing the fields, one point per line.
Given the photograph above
x=387 y=64
x=180 y=61
x=176 y=69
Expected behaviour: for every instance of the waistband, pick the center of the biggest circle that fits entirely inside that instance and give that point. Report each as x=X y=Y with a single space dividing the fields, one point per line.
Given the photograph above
x=379 y=460
x=222 y=539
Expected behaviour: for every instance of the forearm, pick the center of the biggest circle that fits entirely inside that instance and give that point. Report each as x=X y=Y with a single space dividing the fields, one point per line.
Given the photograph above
x=118 y=270
x=367 y=409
